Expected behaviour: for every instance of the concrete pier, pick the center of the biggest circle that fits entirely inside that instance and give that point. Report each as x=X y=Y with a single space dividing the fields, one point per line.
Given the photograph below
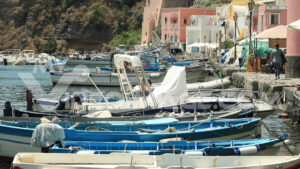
x=277 y=92
x=226 y=69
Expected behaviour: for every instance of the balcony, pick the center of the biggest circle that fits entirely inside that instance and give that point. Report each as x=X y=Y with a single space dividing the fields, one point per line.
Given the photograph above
x=174 y=26
x=272 y=7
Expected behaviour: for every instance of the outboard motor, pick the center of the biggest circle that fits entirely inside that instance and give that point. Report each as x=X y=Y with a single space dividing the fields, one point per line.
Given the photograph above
x=7 y=111
x=45 y=135
x=5 y=61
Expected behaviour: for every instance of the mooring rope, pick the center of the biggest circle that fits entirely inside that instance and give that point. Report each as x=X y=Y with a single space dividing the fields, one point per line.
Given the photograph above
x=279 y=137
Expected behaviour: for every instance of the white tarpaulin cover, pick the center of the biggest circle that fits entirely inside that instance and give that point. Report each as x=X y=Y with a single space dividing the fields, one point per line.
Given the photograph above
x=173 y=88
x=120 y=58
x=99 y=114
x=46 y=134
x=294 y=25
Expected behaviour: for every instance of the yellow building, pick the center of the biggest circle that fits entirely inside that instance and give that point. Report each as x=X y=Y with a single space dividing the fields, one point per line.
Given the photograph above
x=242 y=2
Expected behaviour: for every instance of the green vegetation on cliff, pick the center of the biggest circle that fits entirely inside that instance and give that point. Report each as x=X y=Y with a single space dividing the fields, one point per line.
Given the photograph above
x=210 y=3
x=77 y=24
x=50 y=46
x=129 y=38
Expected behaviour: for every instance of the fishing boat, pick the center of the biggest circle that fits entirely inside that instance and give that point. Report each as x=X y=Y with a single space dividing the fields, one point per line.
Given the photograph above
x=57 y=65
x=105 y=76
x=263 y=146
x=136 y=161
x=18 y=137
x=170 y=96
x=89 y=60
x=198 y=86
x=105 y=115
x=78 y=78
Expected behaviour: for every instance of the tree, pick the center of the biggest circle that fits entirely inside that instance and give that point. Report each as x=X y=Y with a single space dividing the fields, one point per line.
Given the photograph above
x=50 y=46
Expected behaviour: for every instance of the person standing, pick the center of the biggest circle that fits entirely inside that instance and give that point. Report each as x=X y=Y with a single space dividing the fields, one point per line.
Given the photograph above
x=276 y=60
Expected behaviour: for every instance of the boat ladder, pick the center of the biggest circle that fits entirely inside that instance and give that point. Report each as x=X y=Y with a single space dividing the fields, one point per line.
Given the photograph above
x=144 y=85
x=125 y=85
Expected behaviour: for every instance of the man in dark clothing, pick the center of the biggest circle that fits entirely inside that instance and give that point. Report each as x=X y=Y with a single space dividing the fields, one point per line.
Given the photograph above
x=276 y=60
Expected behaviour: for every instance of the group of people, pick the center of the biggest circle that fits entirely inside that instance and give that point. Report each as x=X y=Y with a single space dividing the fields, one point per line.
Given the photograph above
x=277 y=59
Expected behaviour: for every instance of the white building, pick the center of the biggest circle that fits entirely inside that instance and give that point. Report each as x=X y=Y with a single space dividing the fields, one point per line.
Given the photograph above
x=226 y=13
x=202 y=32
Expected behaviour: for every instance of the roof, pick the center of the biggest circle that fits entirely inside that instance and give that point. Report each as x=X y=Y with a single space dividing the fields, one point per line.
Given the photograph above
x=294 y=25
x=278 y=32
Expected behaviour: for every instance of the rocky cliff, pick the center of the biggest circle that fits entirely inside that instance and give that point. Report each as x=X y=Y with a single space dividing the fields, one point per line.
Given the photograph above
x=77 y=24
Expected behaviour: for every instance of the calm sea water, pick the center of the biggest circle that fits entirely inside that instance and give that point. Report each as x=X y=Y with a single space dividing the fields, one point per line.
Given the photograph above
x=14 y=80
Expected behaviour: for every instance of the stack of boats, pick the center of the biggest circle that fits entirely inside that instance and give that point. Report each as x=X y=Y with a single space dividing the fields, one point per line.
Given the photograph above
x=158 y=129
x=106 y=75
x=26 y=57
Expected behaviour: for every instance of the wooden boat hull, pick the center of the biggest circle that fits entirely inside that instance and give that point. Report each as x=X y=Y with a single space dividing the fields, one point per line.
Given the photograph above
x=18 y=139
x=262 y=146
x=167 y=161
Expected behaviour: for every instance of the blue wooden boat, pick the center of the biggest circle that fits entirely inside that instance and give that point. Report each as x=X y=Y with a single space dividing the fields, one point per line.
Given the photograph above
x=16 y=136
x=152 y=63
x=208 y=148
x=103 y=131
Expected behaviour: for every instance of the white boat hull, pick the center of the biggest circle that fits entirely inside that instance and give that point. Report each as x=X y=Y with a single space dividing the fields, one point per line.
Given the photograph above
x=135 y=161
x=100 y=79
x=88 y=63
x=10 y=145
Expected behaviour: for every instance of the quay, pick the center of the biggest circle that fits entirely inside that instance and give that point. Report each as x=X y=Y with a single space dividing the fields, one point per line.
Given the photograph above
x=281 y=92
x=284 y=89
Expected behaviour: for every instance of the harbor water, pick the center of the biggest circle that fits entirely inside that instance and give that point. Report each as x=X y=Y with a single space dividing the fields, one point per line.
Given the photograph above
x=14 y=80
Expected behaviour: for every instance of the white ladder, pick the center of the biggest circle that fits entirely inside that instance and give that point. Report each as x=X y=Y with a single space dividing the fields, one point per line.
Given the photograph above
x=143 y=80
x=125 y=85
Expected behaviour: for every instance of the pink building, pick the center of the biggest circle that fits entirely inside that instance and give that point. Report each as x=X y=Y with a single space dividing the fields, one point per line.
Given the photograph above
x=293 y=41
x=152 y=13
x=270 y=16
x=175 y=20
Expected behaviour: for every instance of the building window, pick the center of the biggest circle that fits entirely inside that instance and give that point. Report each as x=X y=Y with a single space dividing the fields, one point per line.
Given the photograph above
x=262 y=23
x=165 y=37
x=184 y=21
x=266 y=19
x=274 y=18
x=255 y=22
x=172 y=39
x=166 y=20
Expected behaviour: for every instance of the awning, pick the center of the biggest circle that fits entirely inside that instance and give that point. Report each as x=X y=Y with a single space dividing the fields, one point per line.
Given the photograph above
x=294 y=25
x=209 y=45
x=278 y=32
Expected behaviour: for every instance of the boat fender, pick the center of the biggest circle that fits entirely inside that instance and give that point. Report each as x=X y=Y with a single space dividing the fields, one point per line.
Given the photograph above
x=195 y=153
x=149 y=81
x=154 y=75
x=286 y=142
x=247 y=150
x=86 y=152
x=142 y=152
x=86 y=74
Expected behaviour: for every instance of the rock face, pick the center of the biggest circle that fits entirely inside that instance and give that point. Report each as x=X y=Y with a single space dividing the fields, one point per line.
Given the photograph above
x=79 y=24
